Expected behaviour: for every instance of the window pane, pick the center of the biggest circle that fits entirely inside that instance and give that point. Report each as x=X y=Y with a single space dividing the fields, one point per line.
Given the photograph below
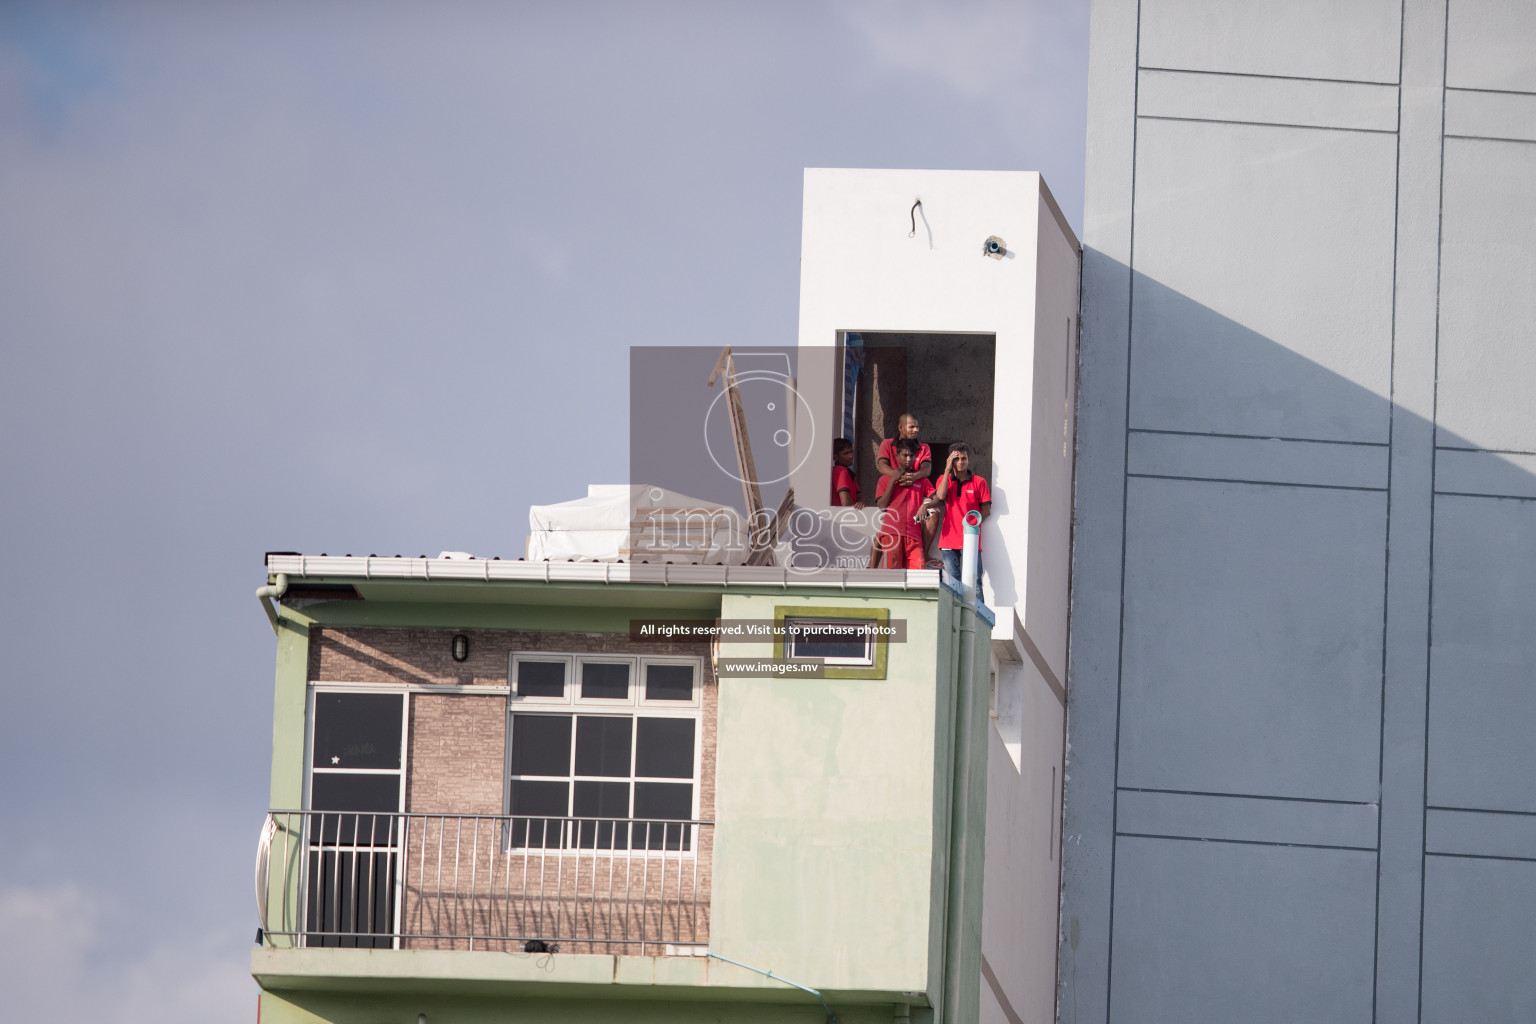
x=540 y=797
x=602 y=800
x=604 y=681
x=664 y=748
x=345 y=792
x=536 y=798
x=602 y=746
x=541 y=679
x=669 y=800
x=810 y=639
x=657 y=803
x=669 y=682
x=357 y=730
x=541 y=745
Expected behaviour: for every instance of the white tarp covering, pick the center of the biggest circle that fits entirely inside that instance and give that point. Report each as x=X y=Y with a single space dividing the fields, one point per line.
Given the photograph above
x=836 y=538
x=636 y=523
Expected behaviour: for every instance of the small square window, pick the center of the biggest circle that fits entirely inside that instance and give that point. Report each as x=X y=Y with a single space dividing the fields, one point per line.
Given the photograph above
x=835 y=641
x=668 y=682
x=537 y=677
x=604 y=680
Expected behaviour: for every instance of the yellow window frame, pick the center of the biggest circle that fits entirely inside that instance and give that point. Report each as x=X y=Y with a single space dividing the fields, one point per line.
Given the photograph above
x=880 y=616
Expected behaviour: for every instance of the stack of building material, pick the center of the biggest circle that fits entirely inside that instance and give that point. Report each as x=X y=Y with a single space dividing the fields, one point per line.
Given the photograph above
x=637 y=523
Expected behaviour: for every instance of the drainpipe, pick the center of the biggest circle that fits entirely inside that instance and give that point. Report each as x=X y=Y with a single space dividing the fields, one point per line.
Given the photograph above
x=267 y=593
x=964 y=789
x=969 y=550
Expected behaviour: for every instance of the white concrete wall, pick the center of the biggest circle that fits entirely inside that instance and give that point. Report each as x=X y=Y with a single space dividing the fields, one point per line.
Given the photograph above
x=1053 y=433
x=860 y=271
x=1024 y=785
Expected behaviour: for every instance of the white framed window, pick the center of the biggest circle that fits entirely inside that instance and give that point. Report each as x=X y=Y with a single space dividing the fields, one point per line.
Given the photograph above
x=603 y=680
x=848 y=642
x=615 y=769
x=540 y=678
x=668 y=682
x=356 y=746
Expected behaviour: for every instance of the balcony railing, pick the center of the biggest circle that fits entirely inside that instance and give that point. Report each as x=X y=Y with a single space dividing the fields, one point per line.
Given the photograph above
x=483 y=882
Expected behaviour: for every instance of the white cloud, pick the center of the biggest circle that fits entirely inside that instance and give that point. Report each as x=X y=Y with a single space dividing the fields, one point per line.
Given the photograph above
x=63 y=958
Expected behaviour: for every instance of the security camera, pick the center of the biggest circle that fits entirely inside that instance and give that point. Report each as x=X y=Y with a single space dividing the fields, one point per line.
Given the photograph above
x=995 y=247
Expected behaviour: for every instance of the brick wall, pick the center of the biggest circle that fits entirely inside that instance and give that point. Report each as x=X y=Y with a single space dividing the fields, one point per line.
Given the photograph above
x=457 y=750
x=455 y=765
x=458 y=745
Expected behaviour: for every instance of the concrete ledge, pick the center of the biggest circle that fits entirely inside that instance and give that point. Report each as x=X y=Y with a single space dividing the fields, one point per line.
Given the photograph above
x=558 y=975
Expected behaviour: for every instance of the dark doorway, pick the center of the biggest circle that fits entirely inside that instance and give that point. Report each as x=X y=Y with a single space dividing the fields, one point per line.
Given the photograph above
x=945 y=380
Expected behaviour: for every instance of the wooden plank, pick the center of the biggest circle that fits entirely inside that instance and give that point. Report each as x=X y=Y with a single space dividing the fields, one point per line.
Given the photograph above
x=764 y=555
x=758 y=529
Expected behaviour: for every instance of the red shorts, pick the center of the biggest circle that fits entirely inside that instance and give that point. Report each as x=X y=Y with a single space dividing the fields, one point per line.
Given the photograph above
x=901 y=552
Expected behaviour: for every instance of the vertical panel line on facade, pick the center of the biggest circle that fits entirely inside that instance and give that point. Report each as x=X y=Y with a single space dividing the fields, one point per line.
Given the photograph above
x=1125 y=455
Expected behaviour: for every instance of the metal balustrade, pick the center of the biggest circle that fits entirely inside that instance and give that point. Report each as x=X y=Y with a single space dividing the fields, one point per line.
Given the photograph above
x=483 y=882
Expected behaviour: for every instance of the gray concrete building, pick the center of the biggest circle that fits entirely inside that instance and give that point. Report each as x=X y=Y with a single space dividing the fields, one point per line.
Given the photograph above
x=1301 y=782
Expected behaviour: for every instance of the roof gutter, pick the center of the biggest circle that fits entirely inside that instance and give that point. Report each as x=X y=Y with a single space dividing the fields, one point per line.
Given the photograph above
x=496 y=571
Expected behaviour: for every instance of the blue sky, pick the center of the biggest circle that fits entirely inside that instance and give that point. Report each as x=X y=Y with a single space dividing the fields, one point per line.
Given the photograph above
x=362 y=278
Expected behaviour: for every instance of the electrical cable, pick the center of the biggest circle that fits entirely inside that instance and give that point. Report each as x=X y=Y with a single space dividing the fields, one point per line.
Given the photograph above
x=831 y=1017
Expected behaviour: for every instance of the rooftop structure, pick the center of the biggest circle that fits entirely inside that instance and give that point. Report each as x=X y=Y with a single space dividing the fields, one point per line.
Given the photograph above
x=648 y=784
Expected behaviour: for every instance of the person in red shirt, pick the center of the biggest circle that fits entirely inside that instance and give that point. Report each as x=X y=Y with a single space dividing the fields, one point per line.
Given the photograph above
x=901 y=536
x=959 y=492
x=845 y=489
x=922 y=464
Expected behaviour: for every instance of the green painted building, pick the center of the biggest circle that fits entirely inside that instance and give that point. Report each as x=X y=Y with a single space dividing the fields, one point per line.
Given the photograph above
x=475 y=759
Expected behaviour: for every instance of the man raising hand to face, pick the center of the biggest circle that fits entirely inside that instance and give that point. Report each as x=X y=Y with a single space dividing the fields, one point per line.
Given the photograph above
x=960 y=491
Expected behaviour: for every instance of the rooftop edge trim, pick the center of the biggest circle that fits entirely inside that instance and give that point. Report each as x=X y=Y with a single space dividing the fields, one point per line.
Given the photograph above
x=492 y=571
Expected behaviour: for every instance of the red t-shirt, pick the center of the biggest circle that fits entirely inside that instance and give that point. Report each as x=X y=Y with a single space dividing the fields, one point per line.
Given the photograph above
x=897 y=521
x=962 y=497
x=842 y=478
x=888 y=453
